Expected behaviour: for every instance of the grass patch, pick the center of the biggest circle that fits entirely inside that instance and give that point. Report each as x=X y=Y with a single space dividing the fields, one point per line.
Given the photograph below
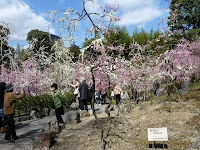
x=192 y=95
x=194 y=121
x=179 y=143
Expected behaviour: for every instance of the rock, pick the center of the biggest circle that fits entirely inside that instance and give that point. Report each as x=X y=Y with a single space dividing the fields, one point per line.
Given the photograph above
x=33 y=114
x=74 y=106
x=183 y=91
x=65 y=109
x=42 y=113
x=52 y=112
x=46 y=112
x=39 y=114
x=24 y=118
x=72 y=117
x=184 y=88
x=17 y=119
x=195 y=146
x=54 y=127
x=84 y=113
x=185 y=84
x=43 y=141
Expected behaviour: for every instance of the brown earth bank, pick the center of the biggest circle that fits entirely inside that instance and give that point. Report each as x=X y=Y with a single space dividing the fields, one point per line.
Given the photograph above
x=129 y=131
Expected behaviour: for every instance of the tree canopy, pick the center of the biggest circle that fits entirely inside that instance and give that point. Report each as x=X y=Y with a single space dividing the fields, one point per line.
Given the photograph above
x=119 y=36
x=184 y=15
x=5 y=49
x=75 y=50
x=39 y=38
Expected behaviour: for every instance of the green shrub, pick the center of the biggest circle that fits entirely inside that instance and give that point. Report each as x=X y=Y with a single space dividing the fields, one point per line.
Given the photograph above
x=69 y=98
x=113 y=102
x=38 y=103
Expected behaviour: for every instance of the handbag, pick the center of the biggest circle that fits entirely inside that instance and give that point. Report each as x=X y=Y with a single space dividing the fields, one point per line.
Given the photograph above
x=2 y=113
x=112 y=94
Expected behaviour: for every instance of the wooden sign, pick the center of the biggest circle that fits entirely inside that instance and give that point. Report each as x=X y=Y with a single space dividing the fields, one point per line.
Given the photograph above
x=157 y=134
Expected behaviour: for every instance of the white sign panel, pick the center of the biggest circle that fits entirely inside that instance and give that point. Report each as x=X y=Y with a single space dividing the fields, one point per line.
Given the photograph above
x=157 y=134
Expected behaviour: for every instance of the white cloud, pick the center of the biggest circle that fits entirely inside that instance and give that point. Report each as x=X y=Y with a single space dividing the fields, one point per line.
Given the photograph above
x=139 y=12
x=139 y=17
x=132 y=12
x=22 y=19
x=61 y=1
x=94 y=6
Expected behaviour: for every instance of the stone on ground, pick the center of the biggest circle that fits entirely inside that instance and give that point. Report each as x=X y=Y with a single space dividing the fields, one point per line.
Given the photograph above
x=33 y=114
x=184 y=88
x=52 y=112
x=74 y=106
x=46 y=112
x=72 y=117
x=195 y=146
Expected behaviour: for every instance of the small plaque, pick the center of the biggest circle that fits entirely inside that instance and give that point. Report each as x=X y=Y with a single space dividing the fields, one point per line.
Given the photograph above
x=157 y=134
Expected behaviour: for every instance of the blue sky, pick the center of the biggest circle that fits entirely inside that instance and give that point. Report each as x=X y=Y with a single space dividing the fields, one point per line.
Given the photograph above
x=25 y=15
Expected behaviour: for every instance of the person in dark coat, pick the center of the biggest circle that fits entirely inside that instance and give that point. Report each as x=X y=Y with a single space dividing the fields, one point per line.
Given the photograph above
x=84 y=95
x=156 y=86
x=134 y=94
x=91 y=94
x=2 y=116
x=103 y=95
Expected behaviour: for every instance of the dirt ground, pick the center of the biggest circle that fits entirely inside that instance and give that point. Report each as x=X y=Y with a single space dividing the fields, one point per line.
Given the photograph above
x=129 y=131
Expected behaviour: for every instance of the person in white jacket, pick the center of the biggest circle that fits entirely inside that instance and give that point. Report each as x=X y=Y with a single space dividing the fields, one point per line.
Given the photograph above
x=76 y=92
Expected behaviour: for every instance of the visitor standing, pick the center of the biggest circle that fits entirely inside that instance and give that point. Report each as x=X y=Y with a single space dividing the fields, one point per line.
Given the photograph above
x=103 y=94
x=57 y=102
x=9 y=111
x=98 y=97
x=134 y=94
x=76 y=92
x=117 y=92
x=156 y=87
x=91 y=93
x=84 y=95
x=2 y=116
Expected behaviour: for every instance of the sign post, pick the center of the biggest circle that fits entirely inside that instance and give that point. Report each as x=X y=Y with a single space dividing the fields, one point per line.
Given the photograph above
x=157 y=134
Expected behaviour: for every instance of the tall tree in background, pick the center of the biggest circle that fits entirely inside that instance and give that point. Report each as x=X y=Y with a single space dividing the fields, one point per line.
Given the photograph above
x=146 y=39
x=141 y=37
x=22 y=53
x=5 y=49
x=184 y=16
x=75 y=50
x=40 y=39
x=119 y=36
